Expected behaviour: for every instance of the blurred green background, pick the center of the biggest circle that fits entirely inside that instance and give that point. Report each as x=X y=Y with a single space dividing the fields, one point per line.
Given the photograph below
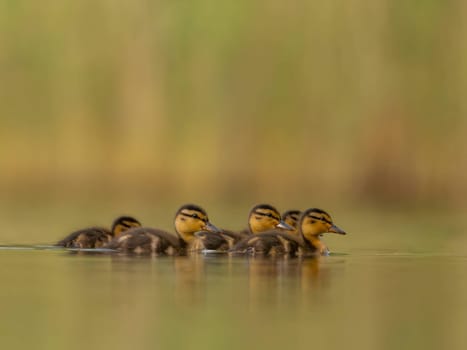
x=111 y=107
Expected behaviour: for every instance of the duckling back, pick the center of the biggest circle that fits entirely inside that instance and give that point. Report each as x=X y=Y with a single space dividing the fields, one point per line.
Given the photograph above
x=97 y=237
x=92 y=237
x=145 y=240
x=271 y=243
x=219 y=241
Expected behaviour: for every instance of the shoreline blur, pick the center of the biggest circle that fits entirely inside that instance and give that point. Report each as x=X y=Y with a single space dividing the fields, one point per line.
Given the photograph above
x=151 y=105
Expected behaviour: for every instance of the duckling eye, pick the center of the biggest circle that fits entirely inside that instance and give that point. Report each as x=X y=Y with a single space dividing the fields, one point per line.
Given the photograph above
x=313 y=221
x=194 y=216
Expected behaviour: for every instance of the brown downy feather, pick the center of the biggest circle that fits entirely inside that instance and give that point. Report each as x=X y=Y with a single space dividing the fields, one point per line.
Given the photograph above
x=262 y=217
x=92 y=237
x=189 y=219
x=146 y=240
x=97 y=237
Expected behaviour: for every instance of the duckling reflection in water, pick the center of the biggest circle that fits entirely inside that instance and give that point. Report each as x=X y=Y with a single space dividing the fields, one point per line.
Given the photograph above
x=272 y=280
x=189 y=219
x=262 y=217
x=312 y=224
x=97 y=237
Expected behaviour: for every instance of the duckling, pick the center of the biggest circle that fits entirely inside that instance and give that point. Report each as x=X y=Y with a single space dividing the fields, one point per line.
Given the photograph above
x=291 y=217
x=189 y=219
x=96 y=237
x=312 y=224
x=262 y=217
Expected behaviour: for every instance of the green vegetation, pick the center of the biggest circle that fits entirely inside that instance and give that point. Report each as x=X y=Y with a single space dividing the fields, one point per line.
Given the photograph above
x=234 y=102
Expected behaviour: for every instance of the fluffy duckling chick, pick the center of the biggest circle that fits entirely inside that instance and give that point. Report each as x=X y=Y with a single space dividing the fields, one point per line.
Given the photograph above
x=291 y=217
x=265 y=217
x=262 y=217
x=96 y=237
x=312 y=224
x=189 y=219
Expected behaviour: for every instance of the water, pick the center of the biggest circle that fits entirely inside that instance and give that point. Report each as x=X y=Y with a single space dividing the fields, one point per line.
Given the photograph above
x=57 y=299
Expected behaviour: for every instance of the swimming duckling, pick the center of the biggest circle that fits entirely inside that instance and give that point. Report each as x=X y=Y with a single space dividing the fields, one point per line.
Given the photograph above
x=291 y=217
x=189 y=219
x=262 y=217
x=311 y=225
x=96 y=237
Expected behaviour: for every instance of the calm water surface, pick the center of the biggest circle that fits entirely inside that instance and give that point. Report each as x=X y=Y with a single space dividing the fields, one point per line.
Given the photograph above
x=56 y=299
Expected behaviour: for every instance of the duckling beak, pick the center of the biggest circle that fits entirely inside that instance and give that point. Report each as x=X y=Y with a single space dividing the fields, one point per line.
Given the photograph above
x=211 y=227
x=285 y=226
x=335 y=229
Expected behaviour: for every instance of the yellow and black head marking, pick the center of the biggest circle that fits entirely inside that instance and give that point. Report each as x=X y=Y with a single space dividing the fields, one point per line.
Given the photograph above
x=264 y=217
x=191 y=218
x=124 y=223
x=313 y=223
x=291 y=217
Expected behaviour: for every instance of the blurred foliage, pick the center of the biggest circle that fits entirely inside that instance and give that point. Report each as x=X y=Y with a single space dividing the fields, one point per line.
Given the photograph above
x=231 y=102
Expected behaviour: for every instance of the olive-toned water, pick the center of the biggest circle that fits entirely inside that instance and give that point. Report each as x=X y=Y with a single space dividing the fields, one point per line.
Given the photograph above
x=57 y=299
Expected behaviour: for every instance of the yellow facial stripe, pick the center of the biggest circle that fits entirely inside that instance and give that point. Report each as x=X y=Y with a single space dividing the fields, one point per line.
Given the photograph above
x=321 y=217
x=194 y=214
x=268 y=213
x=130 y=224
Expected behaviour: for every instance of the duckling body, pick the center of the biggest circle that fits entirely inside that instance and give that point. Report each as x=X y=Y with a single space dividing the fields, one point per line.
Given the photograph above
x=311 y=225
x=146 y=240
x=216 y=241
x=97 y=237
x=262 y=217
x=189 y=219
x=271 y=243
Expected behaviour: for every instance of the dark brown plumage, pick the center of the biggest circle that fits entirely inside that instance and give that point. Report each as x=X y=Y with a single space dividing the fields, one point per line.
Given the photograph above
x=92 y=237
x=145 y=240
x=269 y=243
x=189 y=219
x=219 y=241
x=97 y=237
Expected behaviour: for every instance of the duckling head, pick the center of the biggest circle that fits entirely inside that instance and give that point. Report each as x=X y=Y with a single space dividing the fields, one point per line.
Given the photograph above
x=291 y=217
x=264 y=217
x=124 y=223
x=191 y=218
x=314 y=222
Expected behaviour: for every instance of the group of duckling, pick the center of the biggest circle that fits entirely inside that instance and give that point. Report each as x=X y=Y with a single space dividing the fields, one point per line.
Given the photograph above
x=269 y=233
